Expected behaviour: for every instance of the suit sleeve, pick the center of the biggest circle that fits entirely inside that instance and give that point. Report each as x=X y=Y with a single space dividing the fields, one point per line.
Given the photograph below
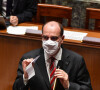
x=19 y=83
x=29 y=11
x=82 y=78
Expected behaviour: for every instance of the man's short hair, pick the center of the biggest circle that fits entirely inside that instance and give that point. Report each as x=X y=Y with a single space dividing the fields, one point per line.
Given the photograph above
x=60 y=25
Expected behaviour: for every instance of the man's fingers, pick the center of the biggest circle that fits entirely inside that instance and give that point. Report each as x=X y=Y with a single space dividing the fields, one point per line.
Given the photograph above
x=26 y=62
x=61 y=74
x=14 y=20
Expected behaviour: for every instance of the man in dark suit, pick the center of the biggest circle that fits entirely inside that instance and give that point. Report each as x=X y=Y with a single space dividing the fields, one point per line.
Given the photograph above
x=71 y=73
x=19 y=10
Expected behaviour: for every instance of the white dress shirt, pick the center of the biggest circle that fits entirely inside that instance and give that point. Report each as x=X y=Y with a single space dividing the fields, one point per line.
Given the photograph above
x=4 y=3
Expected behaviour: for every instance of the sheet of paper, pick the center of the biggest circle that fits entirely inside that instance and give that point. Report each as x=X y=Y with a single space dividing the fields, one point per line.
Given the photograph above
x=20 y=30
x=30 y=69
x=74 y=35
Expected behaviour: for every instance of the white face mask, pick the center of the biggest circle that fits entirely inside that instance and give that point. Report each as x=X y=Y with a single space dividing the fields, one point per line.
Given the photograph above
x=50 y=47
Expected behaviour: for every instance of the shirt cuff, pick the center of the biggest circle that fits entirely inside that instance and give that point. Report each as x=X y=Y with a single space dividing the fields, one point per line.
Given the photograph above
x=25 y=80
x=68 y=87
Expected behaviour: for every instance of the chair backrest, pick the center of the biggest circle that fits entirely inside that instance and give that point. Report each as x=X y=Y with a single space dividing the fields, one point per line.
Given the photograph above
x=54 y=12
x=93 y=13
x=42 y=1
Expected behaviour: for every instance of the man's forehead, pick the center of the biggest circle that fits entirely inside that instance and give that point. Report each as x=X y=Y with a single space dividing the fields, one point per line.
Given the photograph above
x=52 y=24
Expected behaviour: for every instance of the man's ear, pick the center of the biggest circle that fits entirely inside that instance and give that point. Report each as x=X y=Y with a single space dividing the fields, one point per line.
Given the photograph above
x=63 y=38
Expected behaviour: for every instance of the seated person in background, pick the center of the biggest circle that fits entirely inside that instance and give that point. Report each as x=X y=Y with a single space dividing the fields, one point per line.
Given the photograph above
x=18 y=10
x=71 y=73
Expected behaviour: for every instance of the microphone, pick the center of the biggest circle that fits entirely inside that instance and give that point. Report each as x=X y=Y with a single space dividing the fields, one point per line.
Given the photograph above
x=60 y=64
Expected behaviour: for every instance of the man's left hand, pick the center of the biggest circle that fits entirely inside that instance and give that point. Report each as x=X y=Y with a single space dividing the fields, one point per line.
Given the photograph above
x=63 y=76
x=14 y=20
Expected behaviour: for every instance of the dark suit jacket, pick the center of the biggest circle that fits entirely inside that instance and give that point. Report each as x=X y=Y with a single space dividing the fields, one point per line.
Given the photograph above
x=23 y=9
x=72 y=63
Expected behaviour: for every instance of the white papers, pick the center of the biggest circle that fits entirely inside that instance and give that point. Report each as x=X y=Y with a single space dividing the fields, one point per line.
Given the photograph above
x=30 y=69
x=20 y=30
x=33 y=32
x=74 y=35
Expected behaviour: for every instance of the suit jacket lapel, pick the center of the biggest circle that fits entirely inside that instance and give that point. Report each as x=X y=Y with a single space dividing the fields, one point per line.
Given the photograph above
x=42 y=67
x=64 y=60
x=1 y=6
x=1 y=3
x=15 y=4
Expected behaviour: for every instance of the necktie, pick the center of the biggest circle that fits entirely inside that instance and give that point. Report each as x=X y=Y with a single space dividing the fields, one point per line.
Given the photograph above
x=9 y=7
x=52 y=71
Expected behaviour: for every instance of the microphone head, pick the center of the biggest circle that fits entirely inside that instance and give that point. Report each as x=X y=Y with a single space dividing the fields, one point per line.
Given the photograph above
x=60 y=64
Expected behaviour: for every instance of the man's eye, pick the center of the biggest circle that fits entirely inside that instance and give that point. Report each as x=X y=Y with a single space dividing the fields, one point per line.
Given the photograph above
x=54 y=38
x=45 y=37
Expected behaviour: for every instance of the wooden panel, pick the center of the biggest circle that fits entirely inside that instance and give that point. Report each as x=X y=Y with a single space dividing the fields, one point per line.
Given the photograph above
x=11 y=50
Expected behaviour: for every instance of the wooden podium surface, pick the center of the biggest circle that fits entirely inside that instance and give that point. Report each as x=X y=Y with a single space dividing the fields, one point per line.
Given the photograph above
x=12 y=47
